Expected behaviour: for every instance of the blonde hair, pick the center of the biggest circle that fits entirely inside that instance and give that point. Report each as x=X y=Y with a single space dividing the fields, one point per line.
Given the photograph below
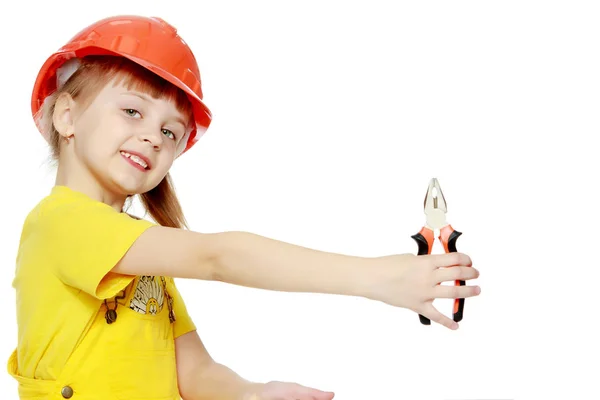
x=92 y=75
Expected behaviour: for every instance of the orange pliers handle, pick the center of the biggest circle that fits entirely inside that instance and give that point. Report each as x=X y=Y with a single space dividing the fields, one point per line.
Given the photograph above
x=447 y=237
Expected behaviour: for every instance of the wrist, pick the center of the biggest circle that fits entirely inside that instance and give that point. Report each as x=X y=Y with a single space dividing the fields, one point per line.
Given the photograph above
x=252 y=391
x=217 y=381
x=371 y=275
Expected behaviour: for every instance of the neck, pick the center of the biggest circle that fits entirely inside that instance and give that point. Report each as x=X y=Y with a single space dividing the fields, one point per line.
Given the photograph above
x=80 y=178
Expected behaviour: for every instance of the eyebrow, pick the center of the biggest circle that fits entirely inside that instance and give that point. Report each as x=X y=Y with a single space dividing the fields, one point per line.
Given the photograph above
x=146 y=98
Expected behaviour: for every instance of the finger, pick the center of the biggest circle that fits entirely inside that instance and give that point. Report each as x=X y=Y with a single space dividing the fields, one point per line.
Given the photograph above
x=449 y=260
x=455 y=274
x=436 y=316
x=316 y=394
x=321 y=396
x=456 y=292
x=324 y=396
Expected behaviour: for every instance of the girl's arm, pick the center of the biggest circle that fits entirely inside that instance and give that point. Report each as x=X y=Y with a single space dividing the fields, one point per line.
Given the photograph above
x=247 y=259
x=201 y=378
x=244 y=259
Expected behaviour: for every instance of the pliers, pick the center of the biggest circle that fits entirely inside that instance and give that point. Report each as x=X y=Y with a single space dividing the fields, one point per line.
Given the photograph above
x=435 y=212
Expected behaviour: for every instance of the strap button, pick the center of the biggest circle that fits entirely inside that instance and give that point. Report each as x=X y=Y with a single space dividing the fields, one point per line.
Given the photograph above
x=67 y=392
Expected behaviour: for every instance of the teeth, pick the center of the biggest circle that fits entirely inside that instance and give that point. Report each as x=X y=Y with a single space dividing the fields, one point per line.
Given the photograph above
x=136 y=159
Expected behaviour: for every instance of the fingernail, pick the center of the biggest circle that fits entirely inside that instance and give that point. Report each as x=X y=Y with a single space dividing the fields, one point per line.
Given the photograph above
x=477 y=290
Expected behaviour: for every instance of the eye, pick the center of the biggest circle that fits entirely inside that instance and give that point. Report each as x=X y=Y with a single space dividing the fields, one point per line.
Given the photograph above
x=131 y=112
x=168 y=132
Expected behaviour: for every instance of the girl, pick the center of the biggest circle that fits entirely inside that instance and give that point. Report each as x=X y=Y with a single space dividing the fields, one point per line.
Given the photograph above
x=98 y=312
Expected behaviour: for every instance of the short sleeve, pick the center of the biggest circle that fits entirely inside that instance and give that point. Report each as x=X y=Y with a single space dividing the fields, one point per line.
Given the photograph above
x=85 y=240
x=183 y=322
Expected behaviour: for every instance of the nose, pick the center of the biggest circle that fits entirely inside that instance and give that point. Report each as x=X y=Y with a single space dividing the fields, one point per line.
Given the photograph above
x=152 y=136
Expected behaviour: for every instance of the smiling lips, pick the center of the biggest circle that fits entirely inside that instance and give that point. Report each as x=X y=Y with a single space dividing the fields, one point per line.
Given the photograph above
x=137 y=160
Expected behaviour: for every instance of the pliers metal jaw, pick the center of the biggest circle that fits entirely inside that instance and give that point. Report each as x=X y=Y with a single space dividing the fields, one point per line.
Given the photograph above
x=435 y=212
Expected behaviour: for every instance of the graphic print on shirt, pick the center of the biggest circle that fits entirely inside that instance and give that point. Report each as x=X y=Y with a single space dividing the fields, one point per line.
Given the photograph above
x=149 y=296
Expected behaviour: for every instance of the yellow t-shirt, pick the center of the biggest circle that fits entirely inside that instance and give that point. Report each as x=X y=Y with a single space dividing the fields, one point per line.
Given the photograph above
x=66 y=348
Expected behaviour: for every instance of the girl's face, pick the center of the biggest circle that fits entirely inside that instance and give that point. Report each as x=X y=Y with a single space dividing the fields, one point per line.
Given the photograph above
x=124 y=139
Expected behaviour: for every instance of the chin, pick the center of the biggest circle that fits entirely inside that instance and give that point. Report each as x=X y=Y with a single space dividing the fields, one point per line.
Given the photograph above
x=128 y=186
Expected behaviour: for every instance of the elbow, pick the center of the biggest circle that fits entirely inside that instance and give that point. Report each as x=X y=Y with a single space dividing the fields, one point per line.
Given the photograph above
x=212 y=260
x=211 y=269
x=204 y=257
x=223 y=246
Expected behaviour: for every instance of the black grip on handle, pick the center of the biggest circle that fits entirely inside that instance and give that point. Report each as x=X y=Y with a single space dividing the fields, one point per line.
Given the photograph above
x=422 y=243
x=458 y=315
x=452 y=241
x=423 y=249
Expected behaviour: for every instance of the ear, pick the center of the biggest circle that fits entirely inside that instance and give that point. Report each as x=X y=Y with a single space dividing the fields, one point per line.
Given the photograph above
x=63 y=115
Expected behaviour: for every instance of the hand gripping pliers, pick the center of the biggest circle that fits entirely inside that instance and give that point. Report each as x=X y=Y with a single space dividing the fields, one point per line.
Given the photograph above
x=435 y=212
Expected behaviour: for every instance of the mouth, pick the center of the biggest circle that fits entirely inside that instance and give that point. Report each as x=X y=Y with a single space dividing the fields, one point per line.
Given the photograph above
x=137 y=160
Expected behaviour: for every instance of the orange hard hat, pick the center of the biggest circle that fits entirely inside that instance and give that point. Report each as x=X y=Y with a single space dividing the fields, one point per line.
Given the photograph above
x=149 y=42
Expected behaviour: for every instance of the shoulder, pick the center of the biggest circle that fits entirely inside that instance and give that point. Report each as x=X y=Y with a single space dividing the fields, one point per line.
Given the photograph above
x=63 y=200
x=68 y=210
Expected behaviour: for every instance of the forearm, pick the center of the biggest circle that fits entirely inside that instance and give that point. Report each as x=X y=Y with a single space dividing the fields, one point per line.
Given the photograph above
x=218 y=382
x=252 y=260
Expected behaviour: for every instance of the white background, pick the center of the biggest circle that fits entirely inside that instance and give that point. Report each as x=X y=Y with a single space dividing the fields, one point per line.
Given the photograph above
x=330 y=118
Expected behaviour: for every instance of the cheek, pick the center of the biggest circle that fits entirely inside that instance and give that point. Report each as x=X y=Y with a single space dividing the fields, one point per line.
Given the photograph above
x=165 y=161
x=104 y=132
